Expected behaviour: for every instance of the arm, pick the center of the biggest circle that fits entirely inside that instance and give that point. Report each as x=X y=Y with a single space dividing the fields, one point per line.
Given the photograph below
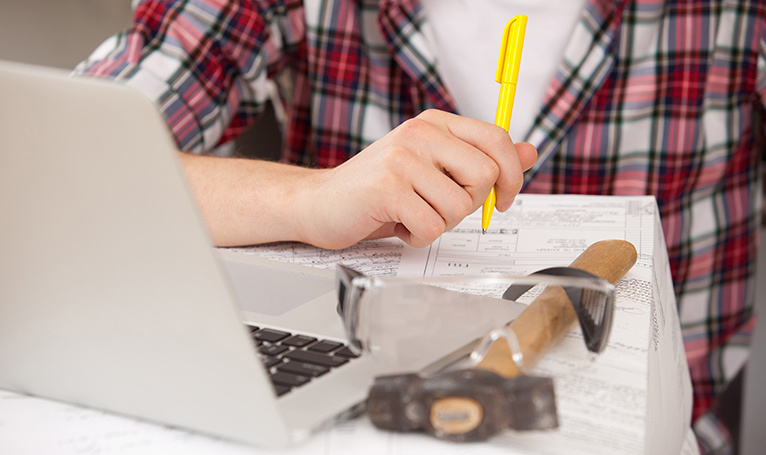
x=416 y=182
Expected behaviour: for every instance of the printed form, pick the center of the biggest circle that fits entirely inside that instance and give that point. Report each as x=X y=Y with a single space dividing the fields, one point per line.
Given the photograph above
x=635 y=399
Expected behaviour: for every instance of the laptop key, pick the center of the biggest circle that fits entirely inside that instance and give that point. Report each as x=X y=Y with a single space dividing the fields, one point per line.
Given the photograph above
x=289 y=379
x=281 y=389
x=325 y=346
x=271 y=361
x=273 y=349
x=316 y=358
x=303 y=369
x=270 y=335
x=299 y=341
x=345 y=352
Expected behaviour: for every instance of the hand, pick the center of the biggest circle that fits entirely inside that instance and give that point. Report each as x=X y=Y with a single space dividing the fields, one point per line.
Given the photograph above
x=416 y=182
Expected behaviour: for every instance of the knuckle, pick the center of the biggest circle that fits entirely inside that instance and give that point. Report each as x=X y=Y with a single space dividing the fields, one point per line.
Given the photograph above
x=426 y=123
x=463 y=205
x=431 y=230
x=509 y=188
x=413 y=126
x=500 y=138
x=516 y=184
x=488 y=170
x=428 y=114
x=396 y=157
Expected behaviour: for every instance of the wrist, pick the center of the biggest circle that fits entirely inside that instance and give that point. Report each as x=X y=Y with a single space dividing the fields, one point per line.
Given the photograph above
x=244 y=201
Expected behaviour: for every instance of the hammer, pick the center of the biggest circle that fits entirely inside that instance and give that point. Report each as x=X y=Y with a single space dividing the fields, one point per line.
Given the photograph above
x=551 y=315
x=471 y=405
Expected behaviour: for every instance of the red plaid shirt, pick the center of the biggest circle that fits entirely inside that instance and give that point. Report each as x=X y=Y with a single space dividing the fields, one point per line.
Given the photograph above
x=652 y=97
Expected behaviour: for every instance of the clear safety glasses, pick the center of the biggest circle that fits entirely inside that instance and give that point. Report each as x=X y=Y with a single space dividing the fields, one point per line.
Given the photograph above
x=551 y=322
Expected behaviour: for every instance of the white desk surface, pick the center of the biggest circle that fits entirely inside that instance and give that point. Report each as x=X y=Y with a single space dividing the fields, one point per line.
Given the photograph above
x=641 y=387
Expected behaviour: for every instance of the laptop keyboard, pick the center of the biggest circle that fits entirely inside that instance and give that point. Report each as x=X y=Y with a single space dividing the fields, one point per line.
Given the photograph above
x=294 y=359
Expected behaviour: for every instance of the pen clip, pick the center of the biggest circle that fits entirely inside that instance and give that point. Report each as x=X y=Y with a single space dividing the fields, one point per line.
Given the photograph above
x=510 y=50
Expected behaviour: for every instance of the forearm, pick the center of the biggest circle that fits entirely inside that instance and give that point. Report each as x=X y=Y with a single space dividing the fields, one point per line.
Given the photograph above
x=245 y=201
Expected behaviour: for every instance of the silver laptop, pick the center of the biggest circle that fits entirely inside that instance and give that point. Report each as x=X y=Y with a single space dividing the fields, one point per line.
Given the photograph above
x=111 y=294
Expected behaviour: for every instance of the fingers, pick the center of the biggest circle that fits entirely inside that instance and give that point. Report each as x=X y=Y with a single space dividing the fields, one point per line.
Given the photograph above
x=434 y=204
x=415 y=195
x=419 y=198
x=463 y=162
x=475 y=154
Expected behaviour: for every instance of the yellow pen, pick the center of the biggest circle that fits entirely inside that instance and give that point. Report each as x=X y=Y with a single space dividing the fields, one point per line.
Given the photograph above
x=507 y=75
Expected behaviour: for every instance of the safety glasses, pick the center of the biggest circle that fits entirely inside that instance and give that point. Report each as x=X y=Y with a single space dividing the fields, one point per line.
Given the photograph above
x=406 y=324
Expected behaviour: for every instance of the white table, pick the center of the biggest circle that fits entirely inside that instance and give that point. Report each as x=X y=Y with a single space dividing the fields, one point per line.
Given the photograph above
x=636 y=400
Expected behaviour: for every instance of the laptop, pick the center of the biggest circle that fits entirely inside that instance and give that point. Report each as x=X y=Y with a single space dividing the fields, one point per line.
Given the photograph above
x=112 y=295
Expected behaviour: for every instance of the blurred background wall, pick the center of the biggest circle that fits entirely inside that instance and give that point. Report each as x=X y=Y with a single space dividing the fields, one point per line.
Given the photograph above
x=58 y=33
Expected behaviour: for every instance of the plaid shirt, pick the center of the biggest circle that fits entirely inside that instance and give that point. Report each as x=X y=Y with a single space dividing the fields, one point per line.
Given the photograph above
x=652 y=97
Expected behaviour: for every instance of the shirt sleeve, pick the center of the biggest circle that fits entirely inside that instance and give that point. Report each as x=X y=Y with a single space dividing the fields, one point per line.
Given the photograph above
x=205 y=63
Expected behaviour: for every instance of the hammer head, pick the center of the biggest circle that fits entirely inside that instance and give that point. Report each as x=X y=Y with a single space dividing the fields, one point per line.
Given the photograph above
x=464 y=405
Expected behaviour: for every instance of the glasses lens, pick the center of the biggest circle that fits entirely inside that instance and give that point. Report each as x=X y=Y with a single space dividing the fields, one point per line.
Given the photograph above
x=406 y=325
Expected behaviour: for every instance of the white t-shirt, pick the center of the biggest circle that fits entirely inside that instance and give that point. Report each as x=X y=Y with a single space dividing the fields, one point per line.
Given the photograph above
x=465 y=36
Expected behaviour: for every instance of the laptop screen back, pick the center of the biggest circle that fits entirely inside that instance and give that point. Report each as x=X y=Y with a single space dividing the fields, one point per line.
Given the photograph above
x=111 y=296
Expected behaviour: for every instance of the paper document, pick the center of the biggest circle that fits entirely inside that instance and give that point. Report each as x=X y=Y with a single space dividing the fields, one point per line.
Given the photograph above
x=535 y=232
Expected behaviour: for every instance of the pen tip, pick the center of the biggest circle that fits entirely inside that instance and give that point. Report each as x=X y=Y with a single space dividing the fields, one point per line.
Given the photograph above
x=483 y=231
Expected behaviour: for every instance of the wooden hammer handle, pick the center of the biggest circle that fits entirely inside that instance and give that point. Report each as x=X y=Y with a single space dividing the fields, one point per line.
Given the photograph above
x=551 y=315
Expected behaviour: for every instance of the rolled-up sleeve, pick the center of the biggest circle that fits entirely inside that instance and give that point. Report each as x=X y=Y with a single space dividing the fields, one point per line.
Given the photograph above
x=205 y=63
